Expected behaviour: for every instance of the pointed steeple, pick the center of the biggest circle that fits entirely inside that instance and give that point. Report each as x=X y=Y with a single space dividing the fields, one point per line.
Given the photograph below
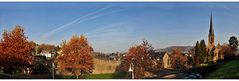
x=211 y=31
x=211 y=35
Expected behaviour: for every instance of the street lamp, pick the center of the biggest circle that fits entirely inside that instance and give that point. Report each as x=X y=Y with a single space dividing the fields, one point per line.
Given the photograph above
x=131 y=69
x=53 y=70
x=53 y=65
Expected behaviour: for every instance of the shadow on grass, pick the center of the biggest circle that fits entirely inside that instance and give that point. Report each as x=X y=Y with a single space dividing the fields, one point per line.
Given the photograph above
x=94 y=76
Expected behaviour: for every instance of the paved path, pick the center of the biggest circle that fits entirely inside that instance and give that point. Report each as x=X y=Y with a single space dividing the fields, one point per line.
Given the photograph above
x=170 y=74
x=8 y=76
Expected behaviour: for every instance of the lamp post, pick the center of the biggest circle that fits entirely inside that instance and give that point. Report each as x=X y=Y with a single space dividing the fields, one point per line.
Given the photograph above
x=131 y=69
x=53 y=59
x=53 y=73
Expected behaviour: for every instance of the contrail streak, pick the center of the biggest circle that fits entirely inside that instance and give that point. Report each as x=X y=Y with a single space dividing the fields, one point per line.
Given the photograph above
x=94 y=17
x=104 y=28
x=74 y=22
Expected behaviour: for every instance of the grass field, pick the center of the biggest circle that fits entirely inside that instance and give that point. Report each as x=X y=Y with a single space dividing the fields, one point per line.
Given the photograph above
x=104 y=66
x=103 y=69
x=105 y=76
x=229 y=70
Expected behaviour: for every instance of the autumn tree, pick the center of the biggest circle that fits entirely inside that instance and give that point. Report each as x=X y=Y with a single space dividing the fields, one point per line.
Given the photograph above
x=76 y=56
x=179 y=61
x=34 y=48
x=139 y=56
x=227 y=52
x=63 y=43
x=15 y=50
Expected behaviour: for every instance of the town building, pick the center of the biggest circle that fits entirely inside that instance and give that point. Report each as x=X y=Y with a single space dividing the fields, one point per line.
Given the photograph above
x=166 y=61
x=45 y=53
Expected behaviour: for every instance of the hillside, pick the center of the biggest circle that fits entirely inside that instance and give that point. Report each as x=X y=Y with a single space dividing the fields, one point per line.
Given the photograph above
x=170 y=49
x=228 y=71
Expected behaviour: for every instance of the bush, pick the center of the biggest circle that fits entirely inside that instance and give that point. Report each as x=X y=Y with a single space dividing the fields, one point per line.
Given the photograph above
x=40 y=69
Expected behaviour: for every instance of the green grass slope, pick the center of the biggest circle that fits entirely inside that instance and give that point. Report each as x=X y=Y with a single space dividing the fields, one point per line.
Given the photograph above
x=105 y=76
x=228 y=71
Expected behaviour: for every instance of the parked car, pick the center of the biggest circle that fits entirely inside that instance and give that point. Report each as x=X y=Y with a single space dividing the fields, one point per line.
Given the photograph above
x=193 y=76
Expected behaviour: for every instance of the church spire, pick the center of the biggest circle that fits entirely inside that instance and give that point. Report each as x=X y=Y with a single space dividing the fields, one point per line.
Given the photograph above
x=211 y=31
x=211 y=34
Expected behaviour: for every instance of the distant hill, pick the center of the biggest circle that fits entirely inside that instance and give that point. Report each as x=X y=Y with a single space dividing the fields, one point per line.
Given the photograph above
x=170 y=49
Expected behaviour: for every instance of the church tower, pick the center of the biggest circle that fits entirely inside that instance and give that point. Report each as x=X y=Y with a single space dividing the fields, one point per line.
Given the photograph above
x=211 y=35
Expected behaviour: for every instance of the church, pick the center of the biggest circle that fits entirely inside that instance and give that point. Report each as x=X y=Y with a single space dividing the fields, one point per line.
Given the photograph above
x=213 y=51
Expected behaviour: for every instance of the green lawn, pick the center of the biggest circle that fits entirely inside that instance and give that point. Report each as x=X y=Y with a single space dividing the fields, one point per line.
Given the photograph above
x=229 y=70
x=105 y=76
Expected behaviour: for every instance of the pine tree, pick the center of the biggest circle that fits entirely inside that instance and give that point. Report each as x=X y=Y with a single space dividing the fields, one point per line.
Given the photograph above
x=203 y=51
x=197 y=52
x=233 y=42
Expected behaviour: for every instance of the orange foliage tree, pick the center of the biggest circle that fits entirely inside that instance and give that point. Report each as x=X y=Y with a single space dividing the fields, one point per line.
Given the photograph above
x=227 y=52
x=15 y=50
x=76 y=56
x=139 y=56
x=179 y=61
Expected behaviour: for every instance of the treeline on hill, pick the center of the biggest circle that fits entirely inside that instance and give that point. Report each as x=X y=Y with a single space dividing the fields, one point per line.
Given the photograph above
x=111 y=56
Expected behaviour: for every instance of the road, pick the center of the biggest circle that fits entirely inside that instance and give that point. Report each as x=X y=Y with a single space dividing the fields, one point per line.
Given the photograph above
x=8 y=76
x=170 y=74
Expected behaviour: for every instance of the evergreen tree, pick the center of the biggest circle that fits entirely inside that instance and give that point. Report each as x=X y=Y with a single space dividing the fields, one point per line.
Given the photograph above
x=196 y=56
x=233 y=42
x=203 y=51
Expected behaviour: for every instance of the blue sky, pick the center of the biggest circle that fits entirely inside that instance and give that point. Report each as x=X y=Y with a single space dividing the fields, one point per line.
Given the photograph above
x=112 y=27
